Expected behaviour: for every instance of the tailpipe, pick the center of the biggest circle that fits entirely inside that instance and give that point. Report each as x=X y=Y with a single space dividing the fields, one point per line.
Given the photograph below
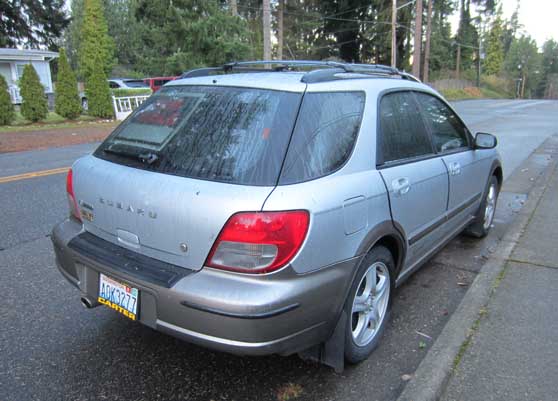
x=88 y=302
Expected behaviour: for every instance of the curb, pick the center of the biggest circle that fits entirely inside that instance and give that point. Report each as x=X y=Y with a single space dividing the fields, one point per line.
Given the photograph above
x=432 y=375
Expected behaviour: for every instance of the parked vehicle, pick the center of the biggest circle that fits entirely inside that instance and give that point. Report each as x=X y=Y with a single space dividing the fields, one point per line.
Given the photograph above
x=126 y=83
x=156 y=83
x=275 y=211
x=117 y=83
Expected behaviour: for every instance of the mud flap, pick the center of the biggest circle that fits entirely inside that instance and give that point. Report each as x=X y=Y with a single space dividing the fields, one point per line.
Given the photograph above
x=332 y=352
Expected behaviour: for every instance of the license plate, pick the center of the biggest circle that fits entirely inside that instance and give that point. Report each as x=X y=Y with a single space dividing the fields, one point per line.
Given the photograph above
x=118 y=296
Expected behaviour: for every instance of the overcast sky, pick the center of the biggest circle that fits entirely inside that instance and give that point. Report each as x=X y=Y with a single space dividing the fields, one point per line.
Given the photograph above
x=538 y=17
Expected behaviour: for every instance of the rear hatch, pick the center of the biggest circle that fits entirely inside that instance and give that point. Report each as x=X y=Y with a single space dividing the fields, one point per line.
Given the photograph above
x=169 y=177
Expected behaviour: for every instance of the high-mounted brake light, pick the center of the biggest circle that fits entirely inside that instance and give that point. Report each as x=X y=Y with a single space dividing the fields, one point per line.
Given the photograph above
x=259 y=242
x=72 y=203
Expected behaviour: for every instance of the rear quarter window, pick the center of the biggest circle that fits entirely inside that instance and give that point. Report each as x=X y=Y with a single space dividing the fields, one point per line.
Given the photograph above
x=324 y=135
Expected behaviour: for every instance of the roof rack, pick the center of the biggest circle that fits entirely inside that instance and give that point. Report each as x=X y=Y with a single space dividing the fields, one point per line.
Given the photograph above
x=321 y=71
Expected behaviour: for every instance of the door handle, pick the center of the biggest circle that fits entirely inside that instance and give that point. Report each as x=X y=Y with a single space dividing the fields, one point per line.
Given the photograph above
x=401 y=186
x=454 y=168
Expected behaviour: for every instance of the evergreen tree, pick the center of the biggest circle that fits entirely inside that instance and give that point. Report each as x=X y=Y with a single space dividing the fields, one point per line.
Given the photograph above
x=182 y=34
x=549 y=65
x=67 y=101
x=34 y=104
x=524 y=61
x=99 y=101
x=441 y=50
x=7 y=113
x=94 y=42
x=466 y=38
x=32 y=23
x=495 y=47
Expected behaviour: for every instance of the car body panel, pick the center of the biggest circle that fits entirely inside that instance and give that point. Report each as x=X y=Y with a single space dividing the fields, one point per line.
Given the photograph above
x=163 y=211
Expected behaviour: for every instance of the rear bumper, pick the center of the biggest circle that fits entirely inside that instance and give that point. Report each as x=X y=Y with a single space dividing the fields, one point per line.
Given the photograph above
x=279 y=313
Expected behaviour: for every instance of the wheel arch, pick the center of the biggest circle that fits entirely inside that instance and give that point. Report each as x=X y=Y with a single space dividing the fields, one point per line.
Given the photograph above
x=497 y=171
x=386 y=234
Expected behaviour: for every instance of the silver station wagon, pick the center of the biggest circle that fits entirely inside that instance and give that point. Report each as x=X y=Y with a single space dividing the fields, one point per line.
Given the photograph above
x=274 y=207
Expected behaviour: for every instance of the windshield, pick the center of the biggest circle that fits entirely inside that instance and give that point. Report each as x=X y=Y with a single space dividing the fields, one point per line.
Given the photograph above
x=236 y=135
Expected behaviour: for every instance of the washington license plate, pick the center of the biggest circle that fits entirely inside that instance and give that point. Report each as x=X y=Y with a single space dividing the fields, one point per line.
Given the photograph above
x=118 y=296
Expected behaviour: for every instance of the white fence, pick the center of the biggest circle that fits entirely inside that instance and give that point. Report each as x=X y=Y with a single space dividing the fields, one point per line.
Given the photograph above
x=123 y=106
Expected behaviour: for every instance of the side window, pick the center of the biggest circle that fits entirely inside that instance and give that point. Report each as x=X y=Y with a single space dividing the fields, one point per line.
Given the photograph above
x=402 y=131
x=113 y=85
x=324 y=135
x=448 y=133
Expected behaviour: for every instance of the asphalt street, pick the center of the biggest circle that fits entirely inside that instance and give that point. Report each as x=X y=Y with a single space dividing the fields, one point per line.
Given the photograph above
x=51 y=348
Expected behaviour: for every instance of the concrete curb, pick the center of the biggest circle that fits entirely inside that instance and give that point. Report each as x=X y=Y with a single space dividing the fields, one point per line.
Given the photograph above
x=433 y=373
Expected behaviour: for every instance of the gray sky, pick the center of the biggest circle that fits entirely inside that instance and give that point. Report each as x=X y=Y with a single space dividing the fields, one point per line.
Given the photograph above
x=538 y=17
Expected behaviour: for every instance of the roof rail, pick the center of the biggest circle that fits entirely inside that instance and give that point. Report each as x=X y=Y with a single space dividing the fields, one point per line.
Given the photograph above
x=324 y=70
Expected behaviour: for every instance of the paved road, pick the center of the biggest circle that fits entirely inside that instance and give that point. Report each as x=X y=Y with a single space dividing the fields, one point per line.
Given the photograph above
x=52 y=348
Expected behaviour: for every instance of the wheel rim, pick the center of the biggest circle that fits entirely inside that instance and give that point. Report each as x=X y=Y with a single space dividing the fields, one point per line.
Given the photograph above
x=490 y=207
x=370 y=304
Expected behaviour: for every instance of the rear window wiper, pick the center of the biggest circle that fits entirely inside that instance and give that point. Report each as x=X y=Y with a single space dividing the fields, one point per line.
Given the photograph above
x=145 y=157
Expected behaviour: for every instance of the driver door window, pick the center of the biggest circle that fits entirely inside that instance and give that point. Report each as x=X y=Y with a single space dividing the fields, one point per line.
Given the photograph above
x=448 y=133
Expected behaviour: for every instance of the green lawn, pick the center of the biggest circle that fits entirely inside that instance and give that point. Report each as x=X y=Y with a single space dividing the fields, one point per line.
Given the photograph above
x=52 y=120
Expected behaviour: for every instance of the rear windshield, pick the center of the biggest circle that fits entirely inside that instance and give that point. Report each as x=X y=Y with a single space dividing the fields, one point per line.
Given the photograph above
x=234 y=135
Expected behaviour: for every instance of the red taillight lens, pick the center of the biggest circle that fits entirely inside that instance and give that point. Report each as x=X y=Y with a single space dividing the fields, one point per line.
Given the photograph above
x=259 y=242
x=74 y=209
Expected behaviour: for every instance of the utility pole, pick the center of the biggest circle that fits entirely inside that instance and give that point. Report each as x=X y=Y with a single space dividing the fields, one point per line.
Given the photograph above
x=280 y=31
x=417 y=48
x=393 y=34
x=266 y=30
x=426 y=68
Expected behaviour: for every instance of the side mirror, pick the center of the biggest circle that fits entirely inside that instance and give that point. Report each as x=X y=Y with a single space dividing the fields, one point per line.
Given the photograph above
x=485 y=141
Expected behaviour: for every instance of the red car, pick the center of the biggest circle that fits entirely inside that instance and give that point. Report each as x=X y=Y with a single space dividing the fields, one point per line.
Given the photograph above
x=156 y=83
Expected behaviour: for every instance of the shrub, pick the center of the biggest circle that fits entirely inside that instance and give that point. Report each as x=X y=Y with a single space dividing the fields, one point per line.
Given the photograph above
x=7 y=113
x=34 y=104
x=123 y=92
x=97 y=90
x=67 y=101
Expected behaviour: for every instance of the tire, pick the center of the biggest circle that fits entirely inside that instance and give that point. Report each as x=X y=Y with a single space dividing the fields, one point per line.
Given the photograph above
x=361 y=338
x=480 y=227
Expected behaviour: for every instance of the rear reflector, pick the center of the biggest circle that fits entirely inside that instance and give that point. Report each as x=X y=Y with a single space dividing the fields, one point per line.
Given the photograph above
x=74 y=209
x=259 y=242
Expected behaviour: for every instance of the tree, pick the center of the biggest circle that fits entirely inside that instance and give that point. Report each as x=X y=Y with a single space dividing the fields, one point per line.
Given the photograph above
x=280 y=15
x=7 y=113
x=181 y=34
x=34 y=104
x=548 y=86
x=99 y=102
x=31 y=23
x=495 y=47
x=441 y=50
x=67 y=101
x=466 y=38
x=266 y=30
x=426 y=68
x=95 y=45
x=524 y=62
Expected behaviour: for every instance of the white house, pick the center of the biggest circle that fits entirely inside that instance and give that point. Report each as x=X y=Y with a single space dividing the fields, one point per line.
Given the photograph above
x=12 y=62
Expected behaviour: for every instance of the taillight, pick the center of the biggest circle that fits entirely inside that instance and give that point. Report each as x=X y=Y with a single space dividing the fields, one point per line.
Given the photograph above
x=259 y=242
x=72 y=203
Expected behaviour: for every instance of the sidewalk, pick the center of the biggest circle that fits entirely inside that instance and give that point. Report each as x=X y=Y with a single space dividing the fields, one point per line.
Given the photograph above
x=513 y=353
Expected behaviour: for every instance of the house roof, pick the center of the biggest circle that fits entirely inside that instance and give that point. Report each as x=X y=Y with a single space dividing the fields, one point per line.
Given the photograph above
x=26 y=54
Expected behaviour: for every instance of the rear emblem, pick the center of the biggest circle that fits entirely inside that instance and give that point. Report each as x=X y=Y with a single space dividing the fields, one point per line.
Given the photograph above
x=128 y=208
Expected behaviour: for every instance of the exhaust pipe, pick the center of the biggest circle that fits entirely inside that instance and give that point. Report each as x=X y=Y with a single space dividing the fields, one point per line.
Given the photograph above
x=88 y=302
